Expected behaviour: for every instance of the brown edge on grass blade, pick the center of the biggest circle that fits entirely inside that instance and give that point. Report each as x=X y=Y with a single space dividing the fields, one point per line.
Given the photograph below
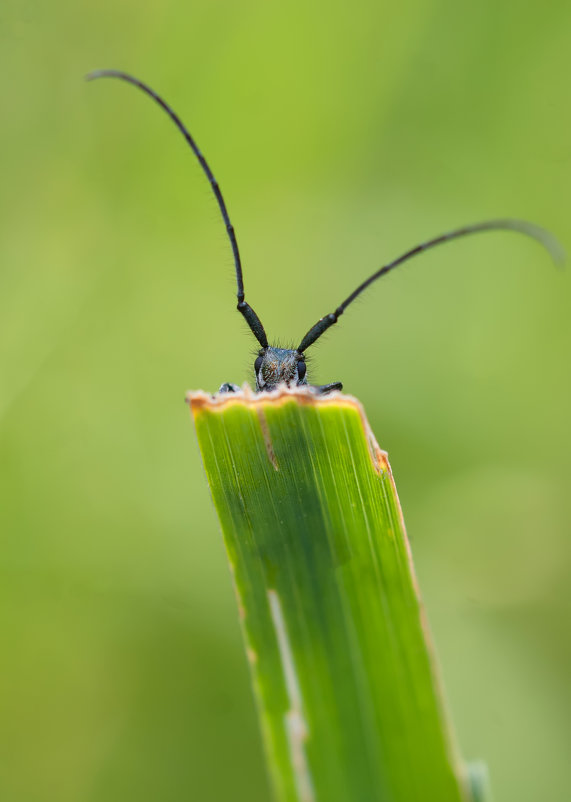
x=199 y=400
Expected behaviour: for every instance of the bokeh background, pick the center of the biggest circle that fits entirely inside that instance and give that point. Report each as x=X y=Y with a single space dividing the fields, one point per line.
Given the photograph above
x=342 y=134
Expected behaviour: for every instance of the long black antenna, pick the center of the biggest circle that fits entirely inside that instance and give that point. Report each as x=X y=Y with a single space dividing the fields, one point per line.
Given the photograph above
x=251 y=317
x=529 y=229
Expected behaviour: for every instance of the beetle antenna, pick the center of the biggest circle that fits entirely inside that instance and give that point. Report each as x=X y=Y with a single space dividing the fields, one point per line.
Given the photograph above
x=537 y=233
x=245 y=309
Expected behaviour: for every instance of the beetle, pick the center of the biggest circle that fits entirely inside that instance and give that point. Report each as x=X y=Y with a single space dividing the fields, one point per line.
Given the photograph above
x=276 y=366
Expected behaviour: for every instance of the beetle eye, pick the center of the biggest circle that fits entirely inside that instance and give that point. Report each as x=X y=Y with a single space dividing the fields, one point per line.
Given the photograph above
x=301 y=368
x=258 y=364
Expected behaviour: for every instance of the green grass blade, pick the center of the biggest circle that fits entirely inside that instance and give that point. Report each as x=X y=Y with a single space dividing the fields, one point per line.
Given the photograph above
x=479 y=781
x=335 y=633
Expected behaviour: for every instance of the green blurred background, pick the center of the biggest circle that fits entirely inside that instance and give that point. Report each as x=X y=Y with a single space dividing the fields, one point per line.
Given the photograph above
x=341 y=135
